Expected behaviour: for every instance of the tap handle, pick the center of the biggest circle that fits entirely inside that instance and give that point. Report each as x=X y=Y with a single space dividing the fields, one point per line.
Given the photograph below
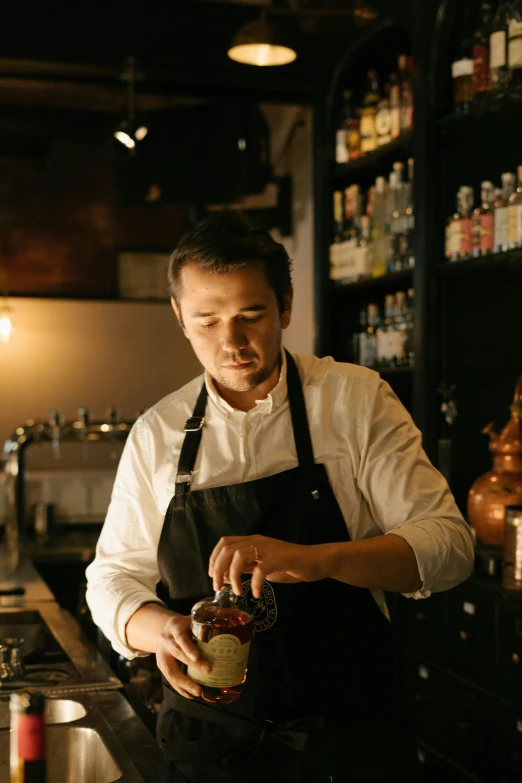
x=113 y=415
x=83 y=413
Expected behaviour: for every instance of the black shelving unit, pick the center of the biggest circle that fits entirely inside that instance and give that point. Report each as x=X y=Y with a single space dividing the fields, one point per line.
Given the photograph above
x=459 y=652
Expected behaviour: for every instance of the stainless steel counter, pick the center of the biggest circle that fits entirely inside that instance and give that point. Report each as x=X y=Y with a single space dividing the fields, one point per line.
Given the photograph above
x=25 y=578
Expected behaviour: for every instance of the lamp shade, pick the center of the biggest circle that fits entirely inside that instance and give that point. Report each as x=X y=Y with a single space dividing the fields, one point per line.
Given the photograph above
x=261 y=43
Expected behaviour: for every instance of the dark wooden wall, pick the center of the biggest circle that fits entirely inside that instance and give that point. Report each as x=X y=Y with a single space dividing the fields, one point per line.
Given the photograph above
x=61 y=229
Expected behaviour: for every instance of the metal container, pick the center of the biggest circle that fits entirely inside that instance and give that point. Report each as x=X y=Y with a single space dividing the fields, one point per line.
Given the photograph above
x=512 y=566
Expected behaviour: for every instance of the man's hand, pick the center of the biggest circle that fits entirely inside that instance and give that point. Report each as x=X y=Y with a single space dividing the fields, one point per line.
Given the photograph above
x=265 y=558
x=175 y=646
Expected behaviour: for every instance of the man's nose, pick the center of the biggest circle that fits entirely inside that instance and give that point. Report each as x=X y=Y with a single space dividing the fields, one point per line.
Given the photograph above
x=234 y=338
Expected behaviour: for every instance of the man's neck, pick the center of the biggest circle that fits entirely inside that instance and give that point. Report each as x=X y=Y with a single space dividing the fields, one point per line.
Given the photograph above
x=246 y=400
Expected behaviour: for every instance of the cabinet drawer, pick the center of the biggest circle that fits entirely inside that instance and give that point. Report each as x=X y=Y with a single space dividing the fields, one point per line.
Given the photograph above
x=424 y=694
x=475 y=729
x=423 y=626
x=471 y=632
x=509 y=657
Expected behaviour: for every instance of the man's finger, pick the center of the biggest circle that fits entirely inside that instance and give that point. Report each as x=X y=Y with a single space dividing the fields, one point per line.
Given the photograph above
x=258 y=580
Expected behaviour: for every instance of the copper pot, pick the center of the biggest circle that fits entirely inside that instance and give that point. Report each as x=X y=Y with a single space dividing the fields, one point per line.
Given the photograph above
x=502 y=486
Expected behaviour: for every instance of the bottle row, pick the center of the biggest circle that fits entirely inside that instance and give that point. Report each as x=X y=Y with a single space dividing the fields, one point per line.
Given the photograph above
x=374 y=231
x=492 y=227
x=386 y=342
x=490 y=57
x=383 y=116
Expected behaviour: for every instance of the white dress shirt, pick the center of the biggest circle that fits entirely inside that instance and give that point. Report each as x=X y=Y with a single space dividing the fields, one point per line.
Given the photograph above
x=379 y=473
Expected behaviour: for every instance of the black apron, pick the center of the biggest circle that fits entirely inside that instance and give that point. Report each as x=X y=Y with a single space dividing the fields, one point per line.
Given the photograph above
x=318 y=704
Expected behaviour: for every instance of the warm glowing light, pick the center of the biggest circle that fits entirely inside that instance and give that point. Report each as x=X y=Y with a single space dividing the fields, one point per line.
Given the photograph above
x=125 y=139
x=262 y=54
x=104 y=428
x=141 y=132
x=6 y=327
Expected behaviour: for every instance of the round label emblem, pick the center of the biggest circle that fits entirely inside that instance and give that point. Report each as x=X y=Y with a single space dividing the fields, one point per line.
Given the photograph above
x=263 y=609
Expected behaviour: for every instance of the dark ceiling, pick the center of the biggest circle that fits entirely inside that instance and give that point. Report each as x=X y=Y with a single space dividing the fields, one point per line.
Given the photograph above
x=181 y=47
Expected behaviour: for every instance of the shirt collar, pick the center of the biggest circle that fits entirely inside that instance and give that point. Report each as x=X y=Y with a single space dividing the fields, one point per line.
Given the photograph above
x=277 y=396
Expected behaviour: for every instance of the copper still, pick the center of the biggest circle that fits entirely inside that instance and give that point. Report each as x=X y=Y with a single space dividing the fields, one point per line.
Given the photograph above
x=502 y=486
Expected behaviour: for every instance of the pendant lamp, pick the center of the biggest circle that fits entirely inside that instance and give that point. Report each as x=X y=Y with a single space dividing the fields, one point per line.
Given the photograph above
x=261 y=43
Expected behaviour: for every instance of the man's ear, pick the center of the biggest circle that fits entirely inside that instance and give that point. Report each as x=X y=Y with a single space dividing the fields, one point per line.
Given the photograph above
x=177 y=310
x=286 y=315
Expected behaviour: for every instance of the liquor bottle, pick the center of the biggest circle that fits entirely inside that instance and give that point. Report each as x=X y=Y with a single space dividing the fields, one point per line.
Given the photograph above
x=395 y=264
x=498 y=48
x=395 y=106
x=338 y=215
x=399 y=334
x=384 y=334
x=341 y=135
x=500 y=211
x=480 y=51
x=406 y=92
x=410 y=327
x=482 y=221
x=462 y=68
x=222 y=631
x=391 y=222
x=515 y=45
x=408 y=231
x=356 y=338
x=465 y=212
x=363 y=259
x=368 y=114
x=452 y=240
x=379 y=228
x=383 y=118
x=515 y=214
x=368 y=339
x=27 y=740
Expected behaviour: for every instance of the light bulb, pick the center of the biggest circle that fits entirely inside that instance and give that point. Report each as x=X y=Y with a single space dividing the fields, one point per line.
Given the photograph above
x=6 y=327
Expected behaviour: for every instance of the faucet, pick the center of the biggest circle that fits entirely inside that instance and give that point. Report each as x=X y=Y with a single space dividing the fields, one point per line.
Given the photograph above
x=57 y=431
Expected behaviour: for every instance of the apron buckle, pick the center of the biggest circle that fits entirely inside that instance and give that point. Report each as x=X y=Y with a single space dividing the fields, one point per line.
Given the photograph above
x=194 y=424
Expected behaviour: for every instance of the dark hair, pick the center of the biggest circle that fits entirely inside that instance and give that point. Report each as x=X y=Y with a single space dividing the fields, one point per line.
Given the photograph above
x=226 y=241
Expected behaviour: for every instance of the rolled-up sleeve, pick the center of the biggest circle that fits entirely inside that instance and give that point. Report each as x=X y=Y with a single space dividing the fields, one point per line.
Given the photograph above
x=124 y=573
x=407 y=496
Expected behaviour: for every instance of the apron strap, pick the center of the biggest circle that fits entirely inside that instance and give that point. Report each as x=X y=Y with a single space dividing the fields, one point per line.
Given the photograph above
x=189 y=450
x=303 y=441
x=194 y=425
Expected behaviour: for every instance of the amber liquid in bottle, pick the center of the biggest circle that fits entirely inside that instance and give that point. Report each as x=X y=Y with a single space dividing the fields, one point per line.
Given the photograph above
x=222 y=630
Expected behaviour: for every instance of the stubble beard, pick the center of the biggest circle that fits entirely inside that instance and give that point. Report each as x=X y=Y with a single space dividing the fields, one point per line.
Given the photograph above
x=251 y=381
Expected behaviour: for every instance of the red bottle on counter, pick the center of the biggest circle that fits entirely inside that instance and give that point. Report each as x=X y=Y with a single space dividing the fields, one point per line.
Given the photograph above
x=27 y=746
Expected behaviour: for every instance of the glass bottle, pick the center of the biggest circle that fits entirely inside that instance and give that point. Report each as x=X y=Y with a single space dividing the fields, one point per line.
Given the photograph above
x=515 y=214
x=465 y=211
x=480 y=51
x=368 y=339
x=379 y=228
x=356 y=337
x=500 y=211
x=462 y=68
x=395 y=106
x=341 y=135
x=452 y=240
x=384 y=337
x=400 y=331
x=27 y=737
x=383 y=118
x=222 y=630
x=482 y=221
x=368 y=114
x=405 y=70
x=498 y=48
x=515 y=45
x=410 y=327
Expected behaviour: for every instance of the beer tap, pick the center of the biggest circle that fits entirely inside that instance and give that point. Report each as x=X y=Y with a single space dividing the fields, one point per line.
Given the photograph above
x=83 y=426
x=56 y=423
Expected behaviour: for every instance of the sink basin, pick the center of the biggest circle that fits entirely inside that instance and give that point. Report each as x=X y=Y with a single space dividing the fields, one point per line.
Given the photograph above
x=56 y=711
x=73 y=754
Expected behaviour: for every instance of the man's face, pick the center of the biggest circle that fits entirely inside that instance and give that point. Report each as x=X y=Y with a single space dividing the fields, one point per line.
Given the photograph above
x=233 y=323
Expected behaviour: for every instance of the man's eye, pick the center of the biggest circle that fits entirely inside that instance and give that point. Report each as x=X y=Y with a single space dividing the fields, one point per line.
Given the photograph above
x=208 y=326
x=252 y=320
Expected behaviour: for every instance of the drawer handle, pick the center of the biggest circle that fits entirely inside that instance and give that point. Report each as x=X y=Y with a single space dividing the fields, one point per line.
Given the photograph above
x=464 y=636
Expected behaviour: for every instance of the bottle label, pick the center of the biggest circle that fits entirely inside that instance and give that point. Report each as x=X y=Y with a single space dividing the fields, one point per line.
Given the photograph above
x=228 y=658
x=341 y=151
x=453 y=239
x=486 y=232
x=480 y=67
x=462 y=68
x=27 y=739
x=515 y=44
x=465 y=238
x=407 y=108
x=500 y=233
x=368 y=133
x=514 y=225
x=497 y=49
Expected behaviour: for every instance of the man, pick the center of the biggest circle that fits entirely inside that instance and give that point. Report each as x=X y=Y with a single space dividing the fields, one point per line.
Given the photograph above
x=301 y=480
